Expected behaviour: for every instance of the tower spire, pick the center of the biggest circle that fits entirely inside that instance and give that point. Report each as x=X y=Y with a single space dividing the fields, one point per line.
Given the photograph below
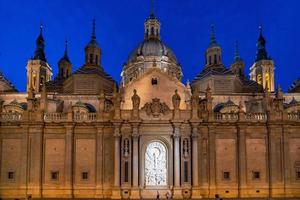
x=66 y=48
x=261 y=53
x=213 y=39
x=39 y=53
x=94 y=29
x=236 y=52
x=66 y=57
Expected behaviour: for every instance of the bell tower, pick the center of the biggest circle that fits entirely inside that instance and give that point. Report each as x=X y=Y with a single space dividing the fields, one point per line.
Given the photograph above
x=38 y=70
x=262 y=71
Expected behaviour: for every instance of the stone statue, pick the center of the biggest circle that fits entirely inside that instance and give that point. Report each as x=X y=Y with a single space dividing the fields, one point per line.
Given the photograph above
x=135 y=100
x=176 y=100
x=195 y=99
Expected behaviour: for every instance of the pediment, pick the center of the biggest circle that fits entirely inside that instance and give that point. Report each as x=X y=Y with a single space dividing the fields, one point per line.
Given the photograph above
x=163 y=89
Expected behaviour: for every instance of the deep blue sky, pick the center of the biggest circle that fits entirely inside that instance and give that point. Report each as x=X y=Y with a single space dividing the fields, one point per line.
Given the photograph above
x=185 y=28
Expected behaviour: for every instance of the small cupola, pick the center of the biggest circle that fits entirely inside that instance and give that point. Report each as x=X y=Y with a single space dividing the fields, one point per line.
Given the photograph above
x=152 y=27
x=92 y=50
x=64 y=64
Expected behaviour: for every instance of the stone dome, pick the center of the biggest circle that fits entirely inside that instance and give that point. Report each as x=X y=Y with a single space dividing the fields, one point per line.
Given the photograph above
x=152 y=47
x=151 y=53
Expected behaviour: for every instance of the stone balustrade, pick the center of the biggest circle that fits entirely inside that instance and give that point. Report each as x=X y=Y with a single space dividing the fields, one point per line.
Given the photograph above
x=293 y=116
x=55 y=117
x=85 y=117
x=256 y=116
x=226 y=116
x=10 y=117
x=92 y=117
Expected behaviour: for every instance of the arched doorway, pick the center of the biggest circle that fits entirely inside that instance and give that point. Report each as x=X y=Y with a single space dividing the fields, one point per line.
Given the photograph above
x=156 y=164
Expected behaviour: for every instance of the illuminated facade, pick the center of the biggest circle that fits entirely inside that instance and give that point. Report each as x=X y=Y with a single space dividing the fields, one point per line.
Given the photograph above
x=79 y=135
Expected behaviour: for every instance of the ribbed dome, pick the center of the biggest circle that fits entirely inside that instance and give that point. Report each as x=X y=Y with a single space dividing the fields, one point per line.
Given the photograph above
x=152 y=47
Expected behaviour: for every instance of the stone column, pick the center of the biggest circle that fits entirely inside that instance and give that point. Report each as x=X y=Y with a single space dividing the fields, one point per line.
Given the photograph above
x=69 y=160
x=176 y=137
x=135 y=163
x=195 y=162
x=116 y=191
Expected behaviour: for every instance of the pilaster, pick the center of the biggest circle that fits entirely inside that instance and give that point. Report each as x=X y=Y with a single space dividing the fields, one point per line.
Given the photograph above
x=99 y=164
x=69 y=168
x=195 y=161
x=135 y=192
x=116 y=193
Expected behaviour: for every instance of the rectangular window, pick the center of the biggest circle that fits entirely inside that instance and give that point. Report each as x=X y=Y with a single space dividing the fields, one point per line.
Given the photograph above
x=186 y=171
x=154 y=81
x=54 y=175
x=84 y=175
x=126 y=172
x=226 y=175
x=215 y=59
x=298 y=174
x=256 y=175
x=11 y=175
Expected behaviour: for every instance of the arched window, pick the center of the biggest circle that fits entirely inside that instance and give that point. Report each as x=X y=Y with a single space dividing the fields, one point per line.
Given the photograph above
x=156 y=164
x=258 y=79
x=215 y=59
x=210 y=60
x=91 y=58
x=152 y=31
x=96 y=59
x=267 y=80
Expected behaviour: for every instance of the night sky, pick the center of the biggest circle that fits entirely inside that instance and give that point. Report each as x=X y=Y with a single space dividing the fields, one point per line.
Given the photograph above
x=185 y=28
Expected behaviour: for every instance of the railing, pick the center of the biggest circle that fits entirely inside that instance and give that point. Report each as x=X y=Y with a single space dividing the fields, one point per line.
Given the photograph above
x=256 y=116
x=6 y=117
x=293 y=116
x=55 y=117
x=226 y=117
x=85 y=117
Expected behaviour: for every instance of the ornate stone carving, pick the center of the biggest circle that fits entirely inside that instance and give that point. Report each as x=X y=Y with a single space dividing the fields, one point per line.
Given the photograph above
x=108 y=105
x=156 y=108
x=176 y=100
x=156 y=164
x=126 y=147
x=185 y=147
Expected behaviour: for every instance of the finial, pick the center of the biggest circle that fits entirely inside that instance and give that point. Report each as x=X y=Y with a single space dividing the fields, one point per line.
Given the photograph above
x=66 y=47
x=236 y=52
x=152 y=15
x=41 y=28
x=152 y=7
x=213 y=40
x=260 y=30
x=94 y=29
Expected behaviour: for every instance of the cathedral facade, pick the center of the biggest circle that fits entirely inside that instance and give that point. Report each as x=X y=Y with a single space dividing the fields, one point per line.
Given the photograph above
x=82 y=135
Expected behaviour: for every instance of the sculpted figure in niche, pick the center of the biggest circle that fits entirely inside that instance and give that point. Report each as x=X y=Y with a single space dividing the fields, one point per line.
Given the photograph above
x=135 y=100
x=176 y=100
